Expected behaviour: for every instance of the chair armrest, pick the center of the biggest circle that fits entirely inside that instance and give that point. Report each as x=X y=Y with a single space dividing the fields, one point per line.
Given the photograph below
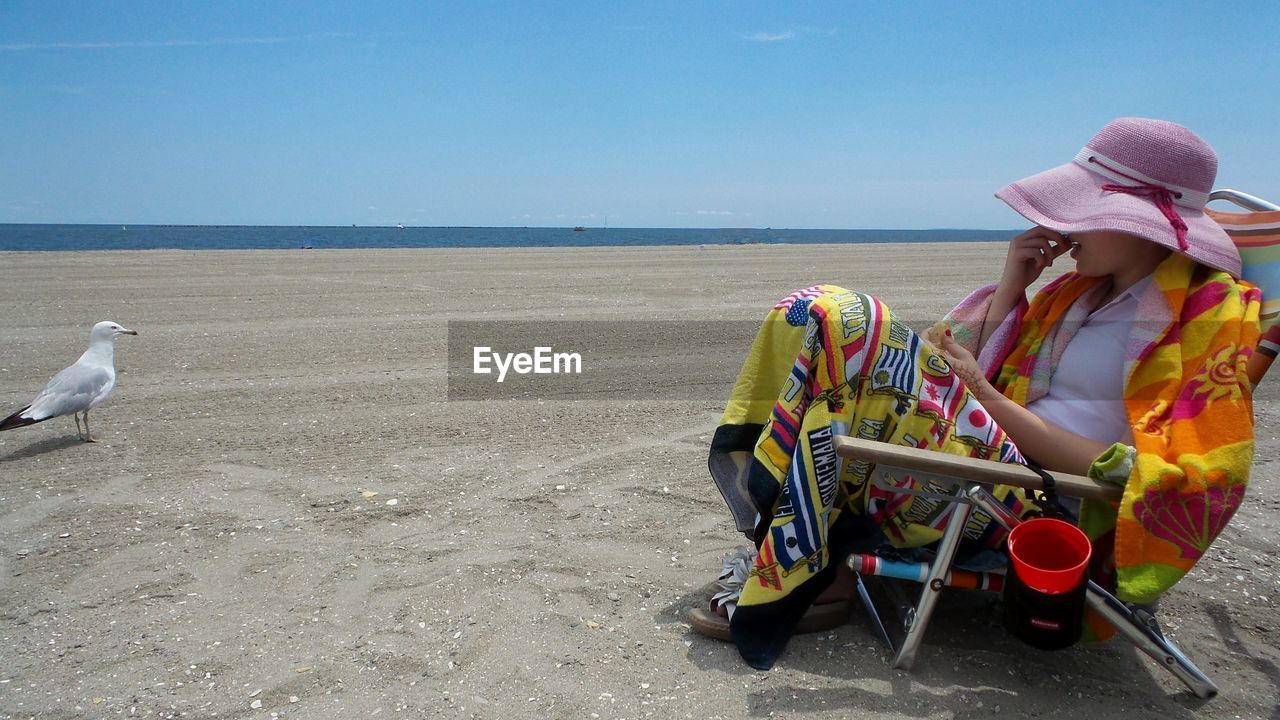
x=966 y=468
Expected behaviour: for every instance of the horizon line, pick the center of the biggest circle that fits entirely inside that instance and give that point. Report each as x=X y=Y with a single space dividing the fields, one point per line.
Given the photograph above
x=507 y=227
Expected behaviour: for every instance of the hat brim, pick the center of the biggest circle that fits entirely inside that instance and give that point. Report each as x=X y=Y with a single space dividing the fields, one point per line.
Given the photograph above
x=1070 y=199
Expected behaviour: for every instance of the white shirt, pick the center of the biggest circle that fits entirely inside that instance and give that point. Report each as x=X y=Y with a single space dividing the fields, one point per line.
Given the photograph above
x=1086 y=392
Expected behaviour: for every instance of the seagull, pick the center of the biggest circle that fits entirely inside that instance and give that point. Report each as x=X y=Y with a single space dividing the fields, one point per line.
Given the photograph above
x=78 y=388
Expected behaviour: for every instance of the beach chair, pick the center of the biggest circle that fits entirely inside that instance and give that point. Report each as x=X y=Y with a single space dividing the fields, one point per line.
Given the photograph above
x=1257 y=234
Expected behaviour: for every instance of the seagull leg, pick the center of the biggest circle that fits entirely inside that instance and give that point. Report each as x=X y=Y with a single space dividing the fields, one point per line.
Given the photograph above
x=87 y=436
x=79 y=434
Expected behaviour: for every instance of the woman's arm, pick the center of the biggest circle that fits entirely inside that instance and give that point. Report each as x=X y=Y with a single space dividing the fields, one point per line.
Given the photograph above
x=1029 y=254
x=1044 y=443
x=1049 y=446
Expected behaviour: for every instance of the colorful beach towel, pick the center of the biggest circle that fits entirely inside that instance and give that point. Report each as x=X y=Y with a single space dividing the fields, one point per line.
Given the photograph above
x=1187 y=398
x=829 y=362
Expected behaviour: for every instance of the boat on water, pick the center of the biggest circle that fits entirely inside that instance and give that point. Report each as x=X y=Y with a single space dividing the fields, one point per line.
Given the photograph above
x=578 y=228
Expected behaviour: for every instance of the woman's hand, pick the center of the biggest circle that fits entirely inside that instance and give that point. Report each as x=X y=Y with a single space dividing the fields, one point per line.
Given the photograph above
x=1029 y=254
x=965 y=366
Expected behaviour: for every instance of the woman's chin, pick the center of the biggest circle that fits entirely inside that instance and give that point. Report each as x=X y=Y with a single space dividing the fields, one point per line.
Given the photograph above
x=1084 y=269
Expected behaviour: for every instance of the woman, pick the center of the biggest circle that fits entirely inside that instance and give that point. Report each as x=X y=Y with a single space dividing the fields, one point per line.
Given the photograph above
x=1130 y=370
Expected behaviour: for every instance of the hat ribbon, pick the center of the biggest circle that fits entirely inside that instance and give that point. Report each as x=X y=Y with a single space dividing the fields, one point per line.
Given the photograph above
x=1162 y=196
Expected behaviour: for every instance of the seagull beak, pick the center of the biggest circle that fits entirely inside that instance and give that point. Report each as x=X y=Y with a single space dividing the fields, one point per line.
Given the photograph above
x=128 y=332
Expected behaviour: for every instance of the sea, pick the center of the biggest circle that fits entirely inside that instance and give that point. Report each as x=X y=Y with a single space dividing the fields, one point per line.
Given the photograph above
x=275 y=237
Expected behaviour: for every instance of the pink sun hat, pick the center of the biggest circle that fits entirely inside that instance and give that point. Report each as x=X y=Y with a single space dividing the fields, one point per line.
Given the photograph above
x=1149 y=178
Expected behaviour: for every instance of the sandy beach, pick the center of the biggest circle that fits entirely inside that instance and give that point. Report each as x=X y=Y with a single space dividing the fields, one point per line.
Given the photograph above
x=286 y=516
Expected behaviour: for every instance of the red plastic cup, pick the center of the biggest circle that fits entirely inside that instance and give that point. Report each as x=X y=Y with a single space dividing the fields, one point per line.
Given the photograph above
x=1049 y=556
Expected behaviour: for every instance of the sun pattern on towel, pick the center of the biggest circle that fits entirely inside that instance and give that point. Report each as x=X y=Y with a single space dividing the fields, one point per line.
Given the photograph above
x=1218 y=378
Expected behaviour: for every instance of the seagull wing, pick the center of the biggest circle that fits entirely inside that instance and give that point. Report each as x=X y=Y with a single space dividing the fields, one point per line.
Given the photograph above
x=75 y=389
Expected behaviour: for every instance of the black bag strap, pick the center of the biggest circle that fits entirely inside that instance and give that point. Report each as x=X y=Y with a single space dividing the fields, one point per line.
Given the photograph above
x=1047 y=500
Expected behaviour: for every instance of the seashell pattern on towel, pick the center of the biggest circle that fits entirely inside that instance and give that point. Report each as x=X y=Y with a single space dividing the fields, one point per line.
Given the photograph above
x=1188 y=520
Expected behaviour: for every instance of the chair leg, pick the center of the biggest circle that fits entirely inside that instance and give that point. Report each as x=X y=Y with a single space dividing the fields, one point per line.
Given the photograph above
x=918 y=617
x=872 y=613
x=1150 y=641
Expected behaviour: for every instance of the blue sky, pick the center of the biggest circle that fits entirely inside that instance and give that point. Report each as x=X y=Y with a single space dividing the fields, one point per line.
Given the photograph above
x=718 y=114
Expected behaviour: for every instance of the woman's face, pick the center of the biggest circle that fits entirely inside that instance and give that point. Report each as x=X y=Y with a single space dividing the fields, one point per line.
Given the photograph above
x=1106 y=252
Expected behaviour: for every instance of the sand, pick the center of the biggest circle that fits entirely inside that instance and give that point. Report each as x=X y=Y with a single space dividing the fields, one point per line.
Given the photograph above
x=219 y=551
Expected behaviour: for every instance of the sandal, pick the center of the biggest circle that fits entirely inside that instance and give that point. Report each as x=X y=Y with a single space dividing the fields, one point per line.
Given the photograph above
x=725 y=590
